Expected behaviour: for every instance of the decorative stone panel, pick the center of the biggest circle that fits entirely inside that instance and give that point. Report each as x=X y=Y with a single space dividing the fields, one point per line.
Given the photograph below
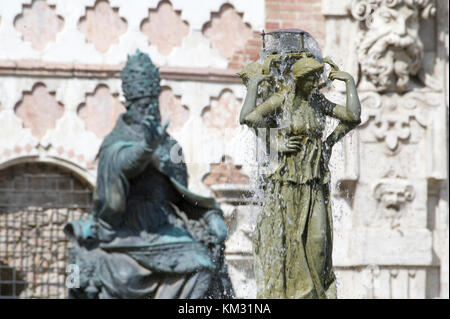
x=102 y=25
x=91 y=48
x=370 y=238
x=386 y=282
x=386 y=242
x=38 y=23
x=223 y=113
x=164 y=27
x=93 y=36
x=227 y=32
x=392 y=118
x=389 y=48
x=39 y=110
x=225 y=173
x=101 y=111
x=172 y=110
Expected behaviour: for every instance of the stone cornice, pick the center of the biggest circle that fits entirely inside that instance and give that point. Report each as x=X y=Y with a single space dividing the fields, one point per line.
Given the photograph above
x=70 y=70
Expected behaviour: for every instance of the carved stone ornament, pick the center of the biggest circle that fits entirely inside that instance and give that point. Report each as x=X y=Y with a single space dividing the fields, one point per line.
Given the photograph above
x=39 y=110
x=164 y=28
x=393 y=193
x=392 y=118
x=102 y=26
x=30 y=24
x=227 y=31
x=389 y=49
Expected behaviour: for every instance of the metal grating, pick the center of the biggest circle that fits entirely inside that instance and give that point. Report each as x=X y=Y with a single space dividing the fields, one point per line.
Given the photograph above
x=36 y=200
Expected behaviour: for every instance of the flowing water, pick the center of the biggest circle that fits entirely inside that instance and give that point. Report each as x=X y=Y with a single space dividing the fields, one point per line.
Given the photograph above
x=282 y=80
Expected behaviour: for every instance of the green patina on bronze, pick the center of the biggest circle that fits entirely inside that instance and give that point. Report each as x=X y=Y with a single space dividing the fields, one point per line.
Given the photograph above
x=293 y=237
x=148 y=236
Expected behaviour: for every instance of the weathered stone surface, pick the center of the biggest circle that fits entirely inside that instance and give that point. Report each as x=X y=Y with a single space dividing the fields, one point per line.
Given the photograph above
x=389 y=48
x=401 y=247
x=223 y=113
x=102 y=26
x=387 y=282
x=390 y=202
x=39 y=24
x=39 y=110
x=172 y=110
x=101 y=111
x=225 y=173
x=227 y=32
x=164 y=28
x=69 y=66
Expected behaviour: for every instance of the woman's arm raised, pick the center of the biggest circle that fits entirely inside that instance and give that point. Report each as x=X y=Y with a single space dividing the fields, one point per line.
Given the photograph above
x=255 y=116
x=352 y=111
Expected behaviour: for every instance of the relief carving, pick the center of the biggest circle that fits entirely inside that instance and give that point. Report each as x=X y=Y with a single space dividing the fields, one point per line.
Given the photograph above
x=393 y=193
x=392 y=118
x=389 y=49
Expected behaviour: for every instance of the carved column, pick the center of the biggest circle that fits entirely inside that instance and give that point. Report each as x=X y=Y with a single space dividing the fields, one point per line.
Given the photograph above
x=390 y=177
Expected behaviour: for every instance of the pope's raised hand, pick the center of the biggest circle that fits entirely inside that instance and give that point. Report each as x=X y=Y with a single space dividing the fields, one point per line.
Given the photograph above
x=152 y=130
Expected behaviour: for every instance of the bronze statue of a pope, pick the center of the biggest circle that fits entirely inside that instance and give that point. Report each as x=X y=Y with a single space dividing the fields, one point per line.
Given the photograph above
x=148 y=236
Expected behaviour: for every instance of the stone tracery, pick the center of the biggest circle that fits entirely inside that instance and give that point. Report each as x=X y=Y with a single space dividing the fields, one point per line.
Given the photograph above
x=101 y=104
x=39 y=110
x=164 y=28
x=29 y=23
x=102 y=26
x=227 y=32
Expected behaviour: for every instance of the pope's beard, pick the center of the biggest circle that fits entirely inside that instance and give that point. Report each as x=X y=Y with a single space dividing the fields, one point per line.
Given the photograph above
x=389 y=55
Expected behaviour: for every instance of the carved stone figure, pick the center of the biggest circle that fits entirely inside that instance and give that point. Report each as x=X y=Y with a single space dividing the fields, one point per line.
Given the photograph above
x=393 y=192
x=148 y=236
x=293 y=237
x=390 y=51
x=390 y=119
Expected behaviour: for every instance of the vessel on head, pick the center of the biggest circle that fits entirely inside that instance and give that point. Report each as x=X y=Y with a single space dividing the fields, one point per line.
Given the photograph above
x=290 y=41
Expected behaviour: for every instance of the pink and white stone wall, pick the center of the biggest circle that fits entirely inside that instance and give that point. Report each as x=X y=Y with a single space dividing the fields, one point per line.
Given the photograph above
x=60 y=95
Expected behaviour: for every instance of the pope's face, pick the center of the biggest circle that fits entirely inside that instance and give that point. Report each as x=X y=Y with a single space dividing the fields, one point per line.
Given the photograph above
x=146 y=106
x=142 y=103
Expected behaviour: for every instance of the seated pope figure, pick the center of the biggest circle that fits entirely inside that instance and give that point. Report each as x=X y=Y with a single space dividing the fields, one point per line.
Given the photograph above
x=149 y=236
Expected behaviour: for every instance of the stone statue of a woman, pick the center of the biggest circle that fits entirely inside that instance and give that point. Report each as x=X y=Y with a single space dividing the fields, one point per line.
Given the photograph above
x=293 y=237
